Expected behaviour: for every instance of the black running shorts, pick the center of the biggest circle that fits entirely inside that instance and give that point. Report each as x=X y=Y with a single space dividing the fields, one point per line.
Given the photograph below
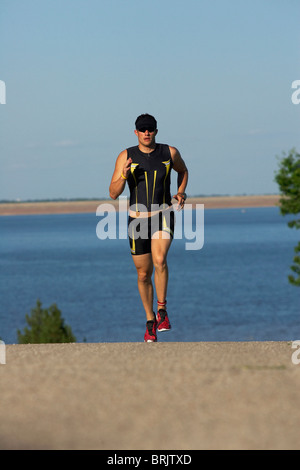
x=141 y=230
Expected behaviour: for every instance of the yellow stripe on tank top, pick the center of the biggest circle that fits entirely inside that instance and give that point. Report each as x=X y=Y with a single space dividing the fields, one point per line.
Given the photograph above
x=146 y=181
x=132 y=168
x=154 y=181
x=167 y=165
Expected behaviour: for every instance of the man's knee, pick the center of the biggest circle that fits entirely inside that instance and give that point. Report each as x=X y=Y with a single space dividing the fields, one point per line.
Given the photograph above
x=160 y=262
x=143 y=276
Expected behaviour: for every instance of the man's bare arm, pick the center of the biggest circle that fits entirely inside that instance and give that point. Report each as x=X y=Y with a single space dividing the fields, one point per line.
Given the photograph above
x=120 y=174
x=180 y=167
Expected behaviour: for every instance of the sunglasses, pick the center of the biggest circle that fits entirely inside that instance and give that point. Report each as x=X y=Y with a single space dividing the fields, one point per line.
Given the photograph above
x=144 y=129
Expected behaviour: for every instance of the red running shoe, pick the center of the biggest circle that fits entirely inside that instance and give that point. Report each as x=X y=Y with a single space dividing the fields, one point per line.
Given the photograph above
x=150 y=335
x=163 y=323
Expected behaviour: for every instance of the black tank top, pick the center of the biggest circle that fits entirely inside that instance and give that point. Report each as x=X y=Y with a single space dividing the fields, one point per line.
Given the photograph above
x=149 y=180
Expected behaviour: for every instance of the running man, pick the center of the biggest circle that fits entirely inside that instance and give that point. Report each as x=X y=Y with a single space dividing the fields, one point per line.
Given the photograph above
x=147 y=170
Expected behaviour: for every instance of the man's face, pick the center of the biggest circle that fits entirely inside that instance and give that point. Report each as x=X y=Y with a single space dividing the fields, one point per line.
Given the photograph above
x=146 y=137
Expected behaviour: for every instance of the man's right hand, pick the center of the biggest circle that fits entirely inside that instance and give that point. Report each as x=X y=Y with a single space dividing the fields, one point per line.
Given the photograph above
x=126 y=169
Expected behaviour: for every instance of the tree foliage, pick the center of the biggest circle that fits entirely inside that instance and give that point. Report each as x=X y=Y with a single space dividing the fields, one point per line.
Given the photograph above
x=288 y=179
x=45 y=326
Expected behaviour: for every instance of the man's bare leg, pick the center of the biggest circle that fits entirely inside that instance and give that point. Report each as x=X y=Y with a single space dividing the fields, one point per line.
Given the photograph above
x=144 y=267
x=160 y=245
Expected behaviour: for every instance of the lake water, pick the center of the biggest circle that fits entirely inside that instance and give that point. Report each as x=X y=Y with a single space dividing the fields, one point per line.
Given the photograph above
x=234 y=289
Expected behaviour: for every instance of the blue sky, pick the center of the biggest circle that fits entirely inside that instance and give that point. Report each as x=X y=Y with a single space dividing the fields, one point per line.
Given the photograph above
x=216 y=74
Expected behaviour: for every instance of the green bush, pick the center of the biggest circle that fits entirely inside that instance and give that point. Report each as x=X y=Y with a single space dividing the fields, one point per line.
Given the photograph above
x=288 y=179
x=45 y=326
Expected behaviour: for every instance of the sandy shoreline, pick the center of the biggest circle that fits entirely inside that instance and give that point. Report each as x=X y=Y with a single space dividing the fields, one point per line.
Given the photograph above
x=130 y=396
x=75 y=207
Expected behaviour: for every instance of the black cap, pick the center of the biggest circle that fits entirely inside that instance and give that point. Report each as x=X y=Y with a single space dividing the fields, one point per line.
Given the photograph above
x=144 y=121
